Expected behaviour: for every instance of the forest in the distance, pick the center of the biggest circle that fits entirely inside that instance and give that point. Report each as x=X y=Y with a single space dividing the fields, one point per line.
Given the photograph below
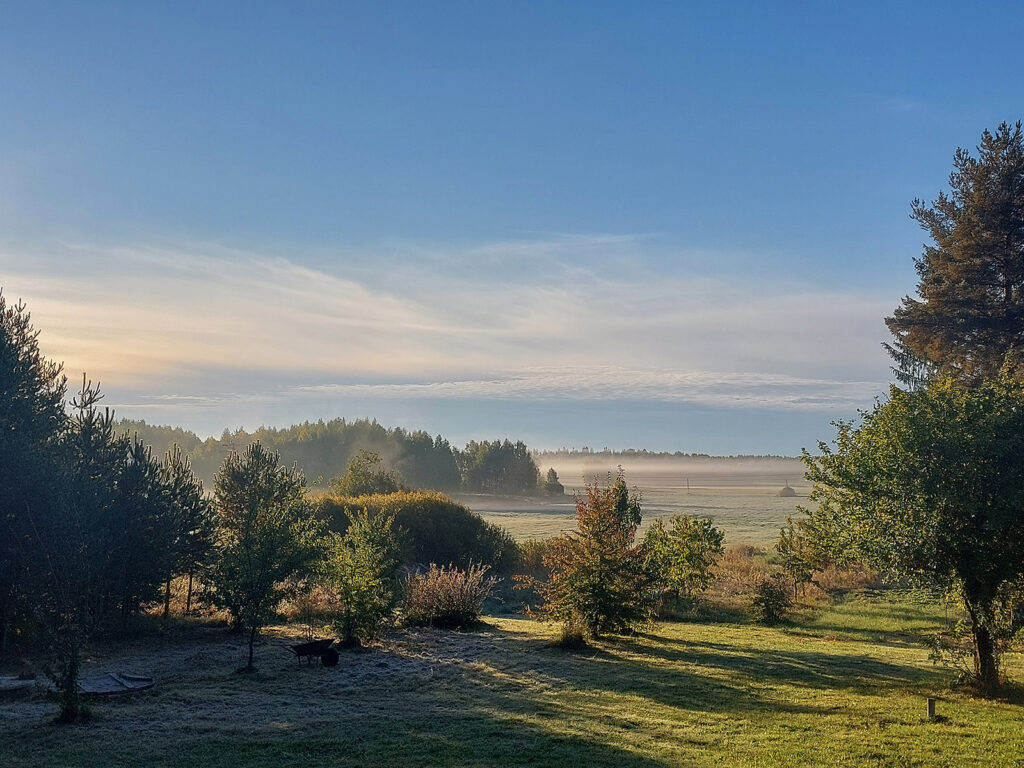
x=323 y=450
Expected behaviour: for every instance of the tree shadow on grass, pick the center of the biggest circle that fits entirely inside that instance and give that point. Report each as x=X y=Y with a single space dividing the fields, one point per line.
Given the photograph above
x=811 y=669
x=624 y=667
x=716 y=676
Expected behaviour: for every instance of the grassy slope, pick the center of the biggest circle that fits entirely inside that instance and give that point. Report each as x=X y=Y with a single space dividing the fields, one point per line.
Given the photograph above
x=843 y=686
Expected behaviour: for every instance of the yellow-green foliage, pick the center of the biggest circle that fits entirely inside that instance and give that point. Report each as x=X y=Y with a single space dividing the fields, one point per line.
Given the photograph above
x=361 y=568
x=433 y=528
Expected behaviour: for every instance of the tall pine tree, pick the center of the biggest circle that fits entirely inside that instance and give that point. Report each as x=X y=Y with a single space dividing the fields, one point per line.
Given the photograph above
x=968 y=321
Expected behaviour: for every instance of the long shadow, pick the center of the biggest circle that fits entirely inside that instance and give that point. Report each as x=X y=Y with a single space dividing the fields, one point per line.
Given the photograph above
x=813 y=669
x=669 y=671
x=624 y=667
x=508 y=703
x=889 y=638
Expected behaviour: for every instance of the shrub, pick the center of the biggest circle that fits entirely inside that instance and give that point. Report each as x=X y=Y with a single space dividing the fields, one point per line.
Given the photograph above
x=433 y=528
x=366 y=475
x=572 y=636
x=681 y=557
x=362 y=570
x=445 y=596
x=771 y=600
x=597 y=574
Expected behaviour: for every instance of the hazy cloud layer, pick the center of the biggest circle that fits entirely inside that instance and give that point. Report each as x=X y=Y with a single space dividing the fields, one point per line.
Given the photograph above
x=597 y=383
x=590 y=318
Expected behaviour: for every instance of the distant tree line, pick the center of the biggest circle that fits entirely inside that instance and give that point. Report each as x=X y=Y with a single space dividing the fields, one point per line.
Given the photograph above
x=323 y=450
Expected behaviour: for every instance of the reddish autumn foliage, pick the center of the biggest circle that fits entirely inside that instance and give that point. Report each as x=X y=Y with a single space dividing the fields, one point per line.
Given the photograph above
x=597 y=575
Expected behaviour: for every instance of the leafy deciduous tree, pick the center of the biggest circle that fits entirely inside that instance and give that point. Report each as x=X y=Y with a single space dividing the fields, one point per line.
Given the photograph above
x=598 y=577
x=797 y=553
x=362 y=568
x=366 y=475
x=931 y=485
x=681 y=557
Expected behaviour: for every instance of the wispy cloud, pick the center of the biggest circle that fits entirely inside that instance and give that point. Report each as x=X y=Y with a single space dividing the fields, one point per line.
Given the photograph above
x=592 y=318
x=608 y=383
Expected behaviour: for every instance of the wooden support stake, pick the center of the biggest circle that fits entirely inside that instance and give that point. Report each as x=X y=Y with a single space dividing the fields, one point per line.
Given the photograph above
x=931 y=708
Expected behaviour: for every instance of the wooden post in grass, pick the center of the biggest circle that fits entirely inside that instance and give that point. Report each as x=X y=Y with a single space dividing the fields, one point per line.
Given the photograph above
x=931 y=708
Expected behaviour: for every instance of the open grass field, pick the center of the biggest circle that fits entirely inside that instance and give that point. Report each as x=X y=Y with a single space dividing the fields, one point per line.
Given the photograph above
x=838 y=686
x=740 y=495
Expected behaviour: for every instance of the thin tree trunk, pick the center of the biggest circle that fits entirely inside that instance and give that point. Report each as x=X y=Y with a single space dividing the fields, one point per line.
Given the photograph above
x=5 y=609
x=167 y=599
x=188 y=599
x=252 y=642
x=70 y=701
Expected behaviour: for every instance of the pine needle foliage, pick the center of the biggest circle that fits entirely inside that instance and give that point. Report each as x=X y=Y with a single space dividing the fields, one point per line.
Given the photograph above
x=267 y=537
x=968 y=319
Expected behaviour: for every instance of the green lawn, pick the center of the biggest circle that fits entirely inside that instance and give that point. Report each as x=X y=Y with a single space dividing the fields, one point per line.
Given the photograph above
x=844 y=686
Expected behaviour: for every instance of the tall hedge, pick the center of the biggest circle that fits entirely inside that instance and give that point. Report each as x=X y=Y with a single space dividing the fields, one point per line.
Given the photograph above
x=433 y=528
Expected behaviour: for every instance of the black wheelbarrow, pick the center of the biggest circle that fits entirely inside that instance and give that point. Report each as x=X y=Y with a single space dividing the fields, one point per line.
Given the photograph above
x=316 y=649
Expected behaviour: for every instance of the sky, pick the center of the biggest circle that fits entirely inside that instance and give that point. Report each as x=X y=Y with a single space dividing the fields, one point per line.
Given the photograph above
x=669 y=226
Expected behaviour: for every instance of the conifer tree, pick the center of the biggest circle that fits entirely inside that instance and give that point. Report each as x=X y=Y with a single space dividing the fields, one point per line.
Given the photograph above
x=32 y=391
x=968 y=322
x=266 y=537
x=193 y=522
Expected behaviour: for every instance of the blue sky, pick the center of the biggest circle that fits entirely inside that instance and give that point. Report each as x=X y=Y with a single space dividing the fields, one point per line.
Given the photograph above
x=657 y=225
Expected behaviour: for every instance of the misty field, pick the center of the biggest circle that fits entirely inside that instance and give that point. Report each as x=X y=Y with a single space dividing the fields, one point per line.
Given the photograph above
x=740 y=495
x=841 y=686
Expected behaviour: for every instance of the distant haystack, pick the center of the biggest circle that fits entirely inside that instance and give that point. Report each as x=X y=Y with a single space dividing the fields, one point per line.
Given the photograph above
x=787 y=491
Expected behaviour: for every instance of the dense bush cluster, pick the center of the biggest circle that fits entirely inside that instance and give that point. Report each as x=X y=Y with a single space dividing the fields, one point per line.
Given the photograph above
x=433 y=528
x=599 y=579
x=771 y=600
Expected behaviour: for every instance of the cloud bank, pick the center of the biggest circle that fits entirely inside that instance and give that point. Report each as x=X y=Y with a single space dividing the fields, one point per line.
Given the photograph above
x=557 y=318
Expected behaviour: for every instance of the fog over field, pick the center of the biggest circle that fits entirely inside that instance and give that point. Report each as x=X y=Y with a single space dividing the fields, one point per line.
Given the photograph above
x=668 y=472
x=739 y=493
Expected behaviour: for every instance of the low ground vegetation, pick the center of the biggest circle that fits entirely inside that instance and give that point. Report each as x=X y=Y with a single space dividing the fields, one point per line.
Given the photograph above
x=847 y=680
x=446 y=596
